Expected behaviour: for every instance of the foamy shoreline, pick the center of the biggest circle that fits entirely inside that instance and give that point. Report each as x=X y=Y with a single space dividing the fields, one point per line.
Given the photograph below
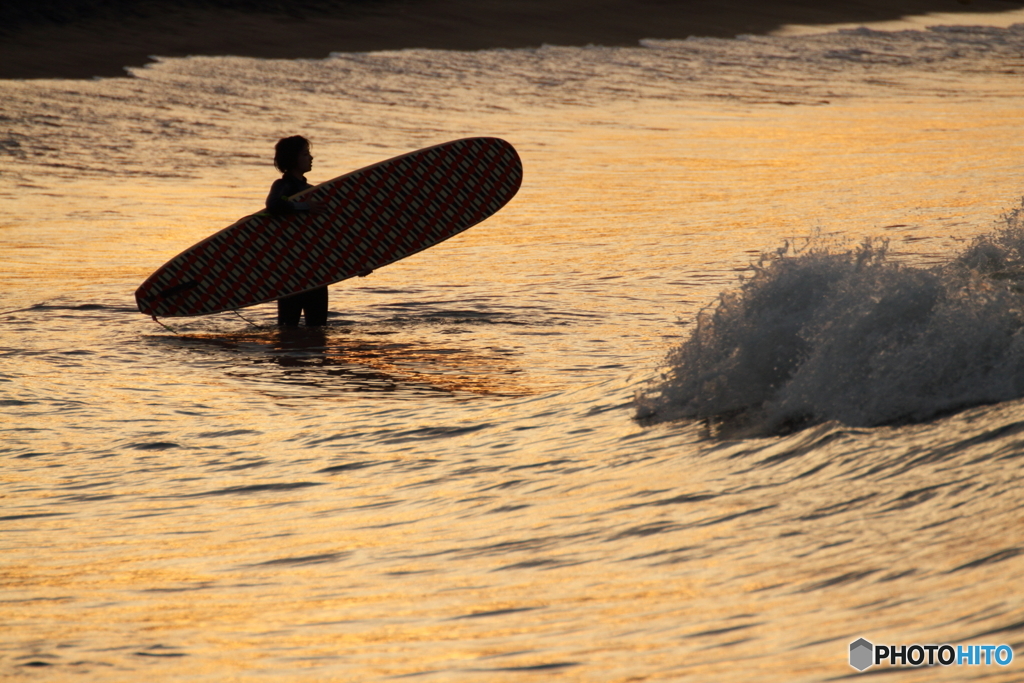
x=103 y=46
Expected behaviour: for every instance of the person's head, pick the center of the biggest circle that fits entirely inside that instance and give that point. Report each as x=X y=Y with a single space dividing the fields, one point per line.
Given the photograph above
x=288 y=153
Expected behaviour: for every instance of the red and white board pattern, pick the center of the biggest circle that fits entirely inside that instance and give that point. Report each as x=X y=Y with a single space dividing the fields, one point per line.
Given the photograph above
x=374 y=216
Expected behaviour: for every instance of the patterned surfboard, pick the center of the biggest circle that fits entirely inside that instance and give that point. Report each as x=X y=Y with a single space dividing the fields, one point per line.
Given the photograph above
x=375 y=216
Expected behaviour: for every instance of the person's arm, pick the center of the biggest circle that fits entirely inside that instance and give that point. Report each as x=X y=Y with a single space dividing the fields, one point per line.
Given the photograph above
x=278 y=203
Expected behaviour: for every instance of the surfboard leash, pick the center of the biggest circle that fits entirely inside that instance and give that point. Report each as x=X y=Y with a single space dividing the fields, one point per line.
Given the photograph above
x=166 y=327
x=235 y=311
x=174 y=331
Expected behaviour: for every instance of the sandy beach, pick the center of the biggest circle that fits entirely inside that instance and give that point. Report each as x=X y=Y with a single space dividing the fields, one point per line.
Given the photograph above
x=99 y=43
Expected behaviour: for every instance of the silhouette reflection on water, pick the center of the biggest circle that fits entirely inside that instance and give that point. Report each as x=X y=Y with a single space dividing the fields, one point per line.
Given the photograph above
x=323 y=362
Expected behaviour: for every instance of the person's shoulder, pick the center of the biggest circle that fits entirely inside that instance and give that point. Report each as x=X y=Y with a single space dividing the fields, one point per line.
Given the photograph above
x=291 y=185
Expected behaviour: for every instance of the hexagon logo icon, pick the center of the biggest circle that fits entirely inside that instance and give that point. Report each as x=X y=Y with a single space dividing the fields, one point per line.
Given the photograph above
x=861 y=654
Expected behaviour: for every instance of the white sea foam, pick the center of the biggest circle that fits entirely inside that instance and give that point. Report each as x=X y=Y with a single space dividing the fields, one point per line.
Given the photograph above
x=852 y=335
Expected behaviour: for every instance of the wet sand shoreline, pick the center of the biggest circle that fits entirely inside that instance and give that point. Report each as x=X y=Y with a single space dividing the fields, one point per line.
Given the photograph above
x=103 y=45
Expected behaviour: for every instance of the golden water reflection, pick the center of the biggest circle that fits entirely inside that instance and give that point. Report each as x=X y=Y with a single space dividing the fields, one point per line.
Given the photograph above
x=321 y=363
x=244 y=502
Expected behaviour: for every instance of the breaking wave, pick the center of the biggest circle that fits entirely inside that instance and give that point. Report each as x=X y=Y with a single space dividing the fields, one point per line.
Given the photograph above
x=849 y=334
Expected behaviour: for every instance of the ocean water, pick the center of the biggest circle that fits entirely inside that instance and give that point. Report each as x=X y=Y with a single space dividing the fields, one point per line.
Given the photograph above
x=735 y=379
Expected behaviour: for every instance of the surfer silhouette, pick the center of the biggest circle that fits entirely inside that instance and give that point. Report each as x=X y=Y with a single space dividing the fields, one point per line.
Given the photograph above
x=293 y=158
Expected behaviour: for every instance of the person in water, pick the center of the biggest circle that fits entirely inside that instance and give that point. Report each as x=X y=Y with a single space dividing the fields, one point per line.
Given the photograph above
x=293 y=158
